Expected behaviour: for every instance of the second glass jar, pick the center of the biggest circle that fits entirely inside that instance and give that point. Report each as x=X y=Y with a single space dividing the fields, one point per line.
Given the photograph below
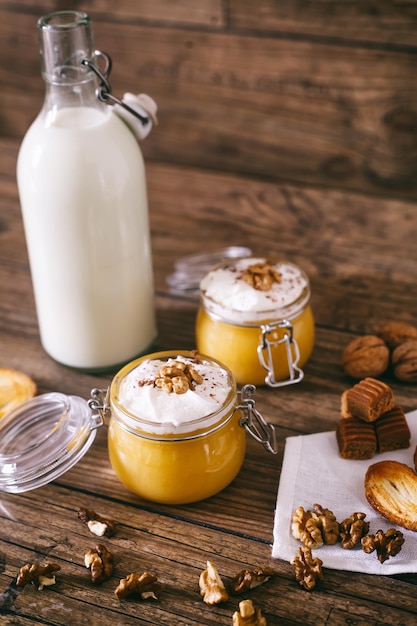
x=255 y=317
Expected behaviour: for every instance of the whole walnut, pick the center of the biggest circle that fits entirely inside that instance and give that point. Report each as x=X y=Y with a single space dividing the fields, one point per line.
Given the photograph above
x=395 y=333
x=366 y=356
x=404 y=361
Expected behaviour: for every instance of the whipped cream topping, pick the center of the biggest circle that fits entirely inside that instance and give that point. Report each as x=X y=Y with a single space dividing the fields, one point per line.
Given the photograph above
x=229 y=292
x=139 y=395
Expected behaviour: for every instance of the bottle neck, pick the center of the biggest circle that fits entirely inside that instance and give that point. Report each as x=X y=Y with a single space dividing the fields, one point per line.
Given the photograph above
x=73 y=94
x=65 y=41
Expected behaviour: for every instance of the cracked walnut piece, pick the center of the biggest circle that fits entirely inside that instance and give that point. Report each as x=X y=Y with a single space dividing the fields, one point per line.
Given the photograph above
x=248 y=615
x=316 y=527
x=249 y=579
x=100 y=563
x=211 y=586
x=308 y=571
x=352 y=529
x=144 y=585
x=39 y=575
x=97 y=524
x=386 y=544
x=261 y=276
x=177 y=377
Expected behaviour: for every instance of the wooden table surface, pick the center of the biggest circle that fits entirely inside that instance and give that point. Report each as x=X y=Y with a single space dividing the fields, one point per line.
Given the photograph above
x=360 y=254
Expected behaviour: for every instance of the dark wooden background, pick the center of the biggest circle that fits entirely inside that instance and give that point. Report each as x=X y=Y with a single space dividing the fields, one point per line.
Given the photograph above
x=313 y=92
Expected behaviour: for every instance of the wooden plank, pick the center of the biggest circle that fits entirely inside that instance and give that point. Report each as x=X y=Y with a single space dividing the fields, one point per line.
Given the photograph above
x=176 y=550
x=392 y=23
x=205 y=13
x=281 y=109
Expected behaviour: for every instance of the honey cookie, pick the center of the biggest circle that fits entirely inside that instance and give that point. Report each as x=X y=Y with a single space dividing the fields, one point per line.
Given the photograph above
x=15 y=388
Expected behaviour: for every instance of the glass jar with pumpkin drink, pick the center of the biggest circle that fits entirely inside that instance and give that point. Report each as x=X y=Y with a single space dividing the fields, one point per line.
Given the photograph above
x=255 y=317
x=177 y=427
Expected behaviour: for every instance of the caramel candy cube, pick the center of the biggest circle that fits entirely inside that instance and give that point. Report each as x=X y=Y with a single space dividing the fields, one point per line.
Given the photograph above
x=392 y=432
x=356 y=439
x=367 y=400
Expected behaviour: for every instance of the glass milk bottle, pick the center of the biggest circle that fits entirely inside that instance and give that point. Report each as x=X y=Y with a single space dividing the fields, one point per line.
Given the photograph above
x=83 y=197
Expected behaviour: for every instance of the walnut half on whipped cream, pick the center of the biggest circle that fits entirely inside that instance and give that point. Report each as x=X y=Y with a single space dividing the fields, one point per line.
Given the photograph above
x=261 y=276
x=177 y=377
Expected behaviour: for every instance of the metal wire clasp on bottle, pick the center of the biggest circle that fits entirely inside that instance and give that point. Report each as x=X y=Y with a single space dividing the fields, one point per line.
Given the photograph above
x=261 y=430
x=103 y=92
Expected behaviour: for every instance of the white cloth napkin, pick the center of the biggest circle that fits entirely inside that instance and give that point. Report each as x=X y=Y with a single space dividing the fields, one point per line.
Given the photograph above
x=313 y=472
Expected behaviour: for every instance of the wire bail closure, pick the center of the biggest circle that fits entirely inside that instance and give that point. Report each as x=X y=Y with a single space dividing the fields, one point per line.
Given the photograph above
x=99 y=402
x=296 y=374
x=261 y=430
x=104 y=92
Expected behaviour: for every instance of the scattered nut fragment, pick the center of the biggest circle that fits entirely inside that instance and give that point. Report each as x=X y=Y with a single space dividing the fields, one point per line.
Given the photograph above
x=177 y=377
x=365 y=356
x=39 y=575
x=248 y=615
x=211 y=585
x=145 y=585
x=308 y=571
x=352 y=529
x=97 y=524
x=100 y=562
x=315 y=527
x=386 y=544
x=395 y=333
x=404 y=361
x=249 y=579
x=261 y=276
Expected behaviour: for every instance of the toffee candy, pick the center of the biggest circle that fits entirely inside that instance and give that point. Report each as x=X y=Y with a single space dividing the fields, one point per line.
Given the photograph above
x=367 y=400
x=356 y=439
x=392 y=430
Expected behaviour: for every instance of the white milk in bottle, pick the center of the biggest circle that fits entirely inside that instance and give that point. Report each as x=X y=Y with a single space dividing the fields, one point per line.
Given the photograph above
x=82 y=190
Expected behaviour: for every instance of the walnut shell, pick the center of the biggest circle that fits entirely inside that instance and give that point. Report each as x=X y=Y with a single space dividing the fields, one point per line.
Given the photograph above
x=404 y=361
x=364 y=357
x=395 y=333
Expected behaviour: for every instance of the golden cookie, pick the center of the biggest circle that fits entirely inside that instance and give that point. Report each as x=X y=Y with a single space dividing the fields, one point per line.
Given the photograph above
x=391 y=489
x=15 y=388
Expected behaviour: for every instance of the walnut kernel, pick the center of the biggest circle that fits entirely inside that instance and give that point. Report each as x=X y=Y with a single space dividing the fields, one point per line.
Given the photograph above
x=211 y=585
x=249 y=579
x=308 y=571
x=97 y=524
x=100 y=563
x=352 y=529
x=177 y=377
x=145 y=585
x=315 y=527
x=248 y=615
x=261 y=276
x=386 y=544
x=39 y=575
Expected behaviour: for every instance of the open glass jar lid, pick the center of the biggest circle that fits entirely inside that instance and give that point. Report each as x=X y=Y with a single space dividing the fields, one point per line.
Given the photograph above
x=43 y=438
